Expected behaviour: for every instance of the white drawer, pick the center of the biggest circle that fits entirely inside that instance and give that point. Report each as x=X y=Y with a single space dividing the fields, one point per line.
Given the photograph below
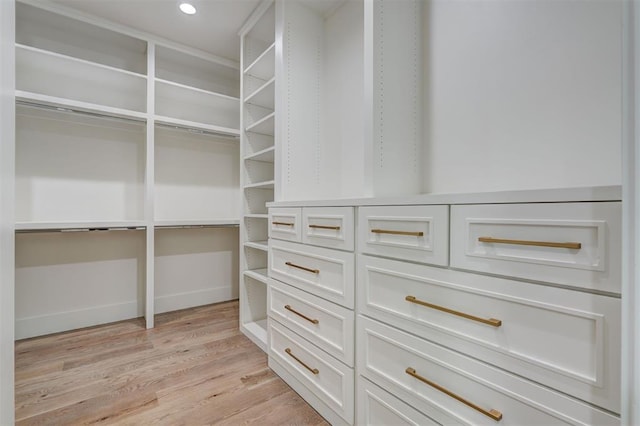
x=561 y=338
x=328 y=227
x=417 y=233
x=330 y=380
x=378 y=407
x=421 y=373
x=324 y=272
x=518 y=240
x=285 y=223
x=327 y=325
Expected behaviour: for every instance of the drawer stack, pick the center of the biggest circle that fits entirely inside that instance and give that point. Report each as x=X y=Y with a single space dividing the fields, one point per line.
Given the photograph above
x=310 y=305
x=521 y=327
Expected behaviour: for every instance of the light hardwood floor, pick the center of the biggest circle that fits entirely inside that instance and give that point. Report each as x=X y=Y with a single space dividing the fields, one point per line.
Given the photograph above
x=194 y=368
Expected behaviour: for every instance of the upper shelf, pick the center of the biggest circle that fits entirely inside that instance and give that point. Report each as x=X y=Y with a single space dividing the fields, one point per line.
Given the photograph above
x=264 y=126
x=78 y=226
x=264 y=66
x=264 y=96
x=266 y=155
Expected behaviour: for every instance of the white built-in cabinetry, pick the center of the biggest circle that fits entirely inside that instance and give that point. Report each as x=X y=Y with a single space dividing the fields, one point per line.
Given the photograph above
x=127 y=165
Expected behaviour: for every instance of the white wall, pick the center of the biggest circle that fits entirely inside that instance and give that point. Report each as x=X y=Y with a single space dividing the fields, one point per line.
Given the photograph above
x=7 y=145
x=522 y=94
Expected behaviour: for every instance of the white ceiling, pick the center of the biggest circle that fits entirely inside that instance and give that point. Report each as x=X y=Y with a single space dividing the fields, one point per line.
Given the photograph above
x=213 y=29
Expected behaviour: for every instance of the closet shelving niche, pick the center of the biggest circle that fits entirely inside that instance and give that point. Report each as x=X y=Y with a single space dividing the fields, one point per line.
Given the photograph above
x=120 y=131
x=257 y=166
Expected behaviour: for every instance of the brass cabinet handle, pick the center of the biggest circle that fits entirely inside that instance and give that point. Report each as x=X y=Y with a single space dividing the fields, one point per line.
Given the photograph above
x=283 y=223
x=293 y=265
x=388 y=231
x=313 y=370
x=334 y=228
x=575 y=246
x=494 y=414
x=289 y=308
x=491 y=321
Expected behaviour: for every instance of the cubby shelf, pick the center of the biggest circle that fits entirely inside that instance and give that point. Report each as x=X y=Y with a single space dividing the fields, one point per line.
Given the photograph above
x=263 y=67
x=264 y=126
x=258 y=245
x=263 y=96
x=266 y=155
x=256 y=216
x=257 y=274
x=260 y=185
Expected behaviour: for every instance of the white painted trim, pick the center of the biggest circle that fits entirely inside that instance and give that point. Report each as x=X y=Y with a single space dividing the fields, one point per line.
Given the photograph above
x=7 y=177
x=254 y=17
x=94 y=20
x=149 y=198
x=630 y=412
x=174 y=302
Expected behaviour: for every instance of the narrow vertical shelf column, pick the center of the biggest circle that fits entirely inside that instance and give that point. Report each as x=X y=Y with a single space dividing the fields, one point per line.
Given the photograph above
x=149 y=187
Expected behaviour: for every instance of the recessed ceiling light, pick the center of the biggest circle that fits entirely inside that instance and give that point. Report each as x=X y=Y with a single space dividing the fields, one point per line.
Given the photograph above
x=188 y=8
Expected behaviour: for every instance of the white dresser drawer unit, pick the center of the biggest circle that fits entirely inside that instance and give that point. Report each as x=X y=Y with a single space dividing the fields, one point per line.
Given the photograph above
x=572 y=244
x=433 y=379
x=327 y=325
x=328 y=227
x=416 y=233
x=329 y=380
x=377 y=407
x=285 y=223
x=561 y=338
x=324 y=272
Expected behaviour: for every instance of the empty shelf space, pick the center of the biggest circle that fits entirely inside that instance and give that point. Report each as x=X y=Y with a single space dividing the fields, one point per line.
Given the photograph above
x=258 y=245
x=257 y=331
x=263 y=96
x=264 y=126
x=257 y=274
x=260 y=185
x=263 y=67
x=266 y=155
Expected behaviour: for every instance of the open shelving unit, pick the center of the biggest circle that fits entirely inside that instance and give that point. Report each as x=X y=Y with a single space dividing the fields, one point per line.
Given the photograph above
x=120 y=131
x=257 y=166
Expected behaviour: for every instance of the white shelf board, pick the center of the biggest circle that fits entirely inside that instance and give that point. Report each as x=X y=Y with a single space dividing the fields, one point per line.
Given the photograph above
x=266 y=155
x=264 y=126
x=197 y=222
x=264 y=96
x=70 y=105
x=257 y=274
x=261 y=185
x=78 y=60
x=257 y=216
x=186 y=124
x=264 y=66
x=257 y=332
x=196 y=89
x=42 y=226
x=258 y=245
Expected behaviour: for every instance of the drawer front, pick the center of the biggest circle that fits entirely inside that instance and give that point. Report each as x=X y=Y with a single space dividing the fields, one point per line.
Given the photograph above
x=417 y=233
x=328 y=227
x=378 y=407
x=327 y=325
x=285 y=224
x=324 y=272
x=573 y=244
x=564 y=339
x=329 y=379
x=425 y=375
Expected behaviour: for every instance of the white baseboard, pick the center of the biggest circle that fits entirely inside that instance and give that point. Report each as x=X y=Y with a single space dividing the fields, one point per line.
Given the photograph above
x=176 y=301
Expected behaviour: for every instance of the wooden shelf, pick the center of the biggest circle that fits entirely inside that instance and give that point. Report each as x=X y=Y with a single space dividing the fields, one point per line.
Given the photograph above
x=266 y=155
x=258 y=245
x=257 y=274
x=264 y=126
x=263 y=67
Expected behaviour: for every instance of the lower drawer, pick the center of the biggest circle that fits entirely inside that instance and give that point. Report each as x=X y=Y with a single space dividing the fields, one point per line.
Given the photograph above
x=428 y=376
x=378 y=407
x=330 y=380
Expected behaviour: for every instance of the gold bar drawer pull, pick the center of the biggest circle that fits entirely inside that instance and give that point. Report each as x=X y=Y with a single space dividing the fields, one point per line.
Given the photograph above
x=313 y=370
x=391 y=232
x=491 y=321
x=283 y=223
x=312 y=320
x=494 y=414
x=293 y=265
x=574 y=246
x=333 y=228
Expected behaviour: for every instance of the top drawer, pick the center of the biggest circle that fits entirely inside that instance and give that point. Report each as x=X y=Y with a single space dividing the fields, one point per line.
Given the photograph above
x=328 y=227
x=285 y=223
x=417 y=233
x=572 y=244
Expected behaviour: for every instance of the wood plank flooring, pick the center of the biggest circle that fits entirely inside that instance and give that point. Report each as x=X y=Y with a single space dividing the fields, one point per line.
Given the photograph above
x=194 y=368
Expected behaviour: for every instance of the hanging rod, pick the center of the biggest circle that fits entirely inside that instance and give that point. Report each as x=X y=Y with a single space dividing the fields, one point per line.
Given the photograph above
x=222 y=225
x=67 y=109
x=198 y=131
x=65 y=230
